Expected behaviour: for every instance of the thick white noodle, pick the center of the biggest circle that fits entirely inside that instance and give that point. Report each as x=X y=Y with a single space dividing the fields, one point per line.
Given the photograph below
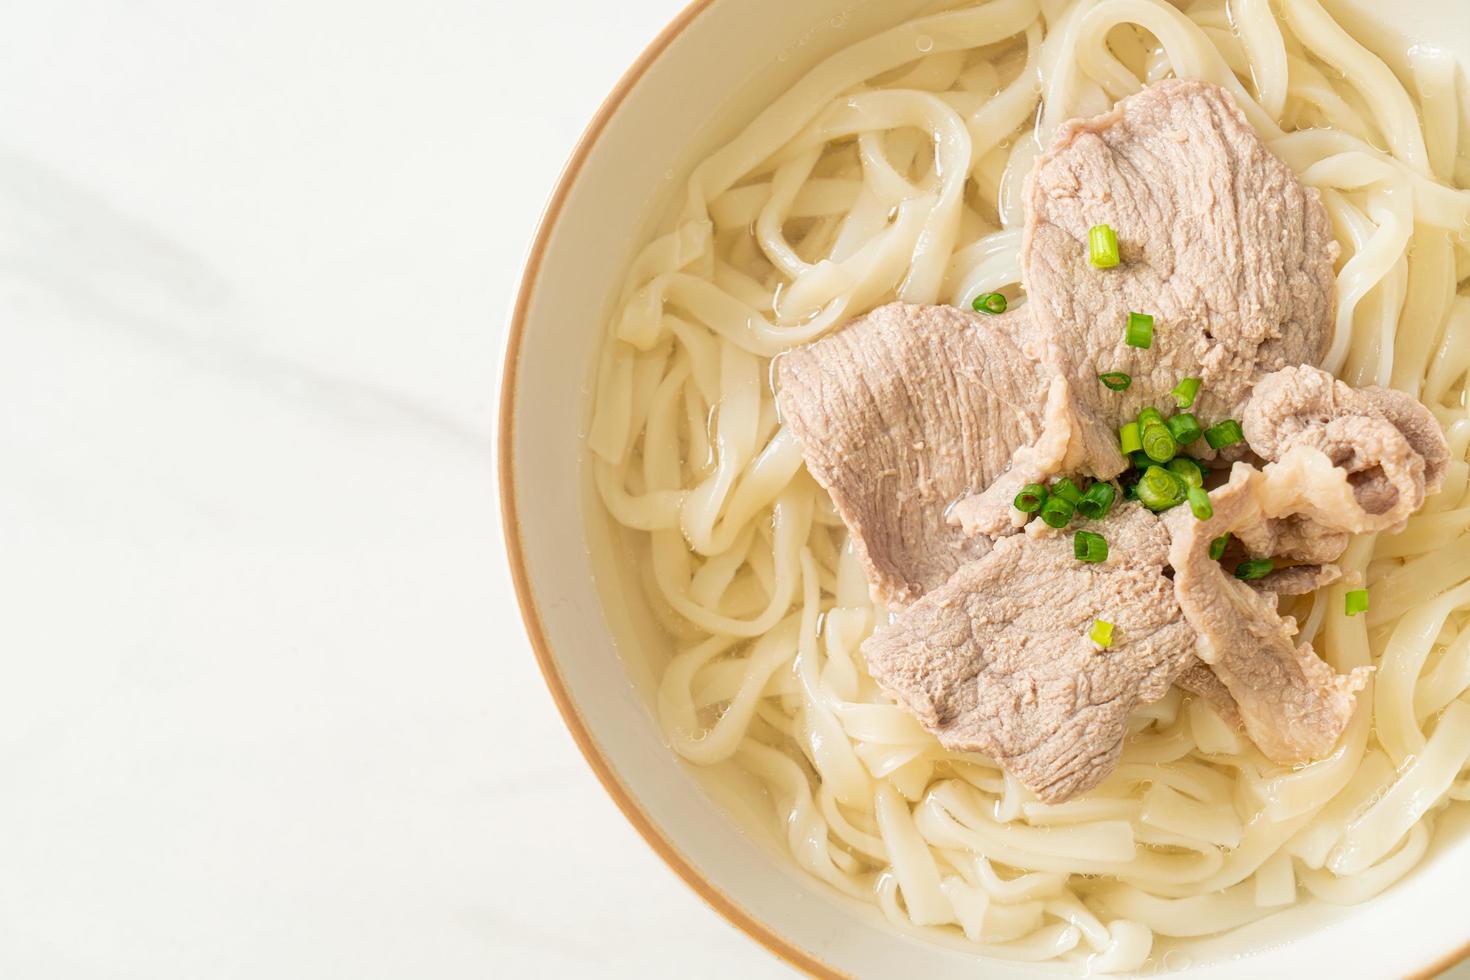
x=894 y=170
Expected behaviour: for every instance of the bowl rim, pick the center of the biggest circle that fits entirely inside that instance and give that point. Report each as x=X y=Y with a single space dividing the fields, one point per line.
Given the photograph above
x=581 y=733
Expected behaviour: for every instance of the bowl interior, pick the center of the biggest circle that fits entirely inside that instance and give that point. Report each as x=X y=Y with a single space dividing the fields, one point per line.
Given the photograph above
x=708 y=75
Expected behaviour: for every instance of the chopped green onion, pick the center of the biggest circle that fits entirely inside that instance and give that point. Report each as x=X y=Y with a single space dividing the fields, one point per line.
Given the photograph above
x=1102 y=246
x=1115 y=380
x=1030 y=499
x=1222 y=434
x=1159 y=489
x=1254 y=568
x=1184 y=427
x=1057 y=511
x=1097 y=501
x=1218 y=546
x=1067 y=490
x=1089 y=547
x=1187 y=470
x=1140 y=332
x=991 y=303
x=1185 y=391
x=1159 y=444
x=1199 y=503
x=1356 y=602
x=1149 y=415
x=1140 y=460
x=1130 y=439
x=1101 y=633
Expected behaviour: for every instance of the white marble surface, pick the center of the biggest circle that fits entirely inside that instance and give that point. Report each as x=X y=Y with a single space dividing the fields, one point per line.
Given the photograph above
x=267 y=708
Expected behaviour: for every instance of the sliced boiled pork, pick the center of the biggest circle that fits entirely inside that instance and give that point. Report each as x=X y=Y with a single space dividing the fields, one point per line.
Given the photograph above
x=1294 y=706
x=902 y=413
x=998 y=660
x=1386 y=451
x=1219 y=242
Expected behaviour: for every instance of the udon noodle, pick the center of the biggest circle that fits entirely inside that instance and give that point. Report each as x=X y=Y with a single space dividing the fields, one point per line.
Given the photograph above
x=893 y=171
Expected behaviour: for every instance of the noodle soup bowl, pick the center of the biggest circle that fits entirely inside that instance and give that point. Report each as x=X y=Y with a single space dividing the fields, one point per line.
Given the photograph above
x=599 y=646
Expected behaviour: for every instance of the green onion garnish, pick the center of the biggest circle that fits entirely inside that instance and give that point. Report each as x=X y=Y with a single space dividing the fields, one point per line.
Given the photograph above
x=1149 y=415
x=1159 y=489
x=1222 y=434
x=1218 y=546
x=1199 y=503
x=989 y=303
x=1130 y=439
x=1187 y=470
x=1184 y=427
x=1030 y=499
x=1089 y=547
x=1067 y=490
x=1140 y=332
x=1140 y=460
x=1057 y=511
x=1097 y=501
x=1158 y=443
x=1101 y=633
x=1254 y=568
x=1356 y=602
x=1102 y=246
x=1115 y=380
x=1185 y=391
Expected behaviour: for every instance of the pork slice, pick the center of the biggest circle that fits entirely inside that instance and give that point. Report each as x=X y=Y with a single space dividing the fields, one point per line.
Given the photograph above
x=1418 y=426
x=1296 y=537
x=1200 y=680
x=1064 y=445
x=1293 y=705
x=900 y=414
x=1297 y=579
x=1387 y=450
x=1220 y=243
x=998 y=660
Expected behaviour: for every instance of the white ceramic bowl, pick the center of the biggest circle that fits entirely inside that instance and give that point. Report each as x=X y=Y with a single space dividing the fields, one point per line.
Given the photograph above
x=706 y=74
